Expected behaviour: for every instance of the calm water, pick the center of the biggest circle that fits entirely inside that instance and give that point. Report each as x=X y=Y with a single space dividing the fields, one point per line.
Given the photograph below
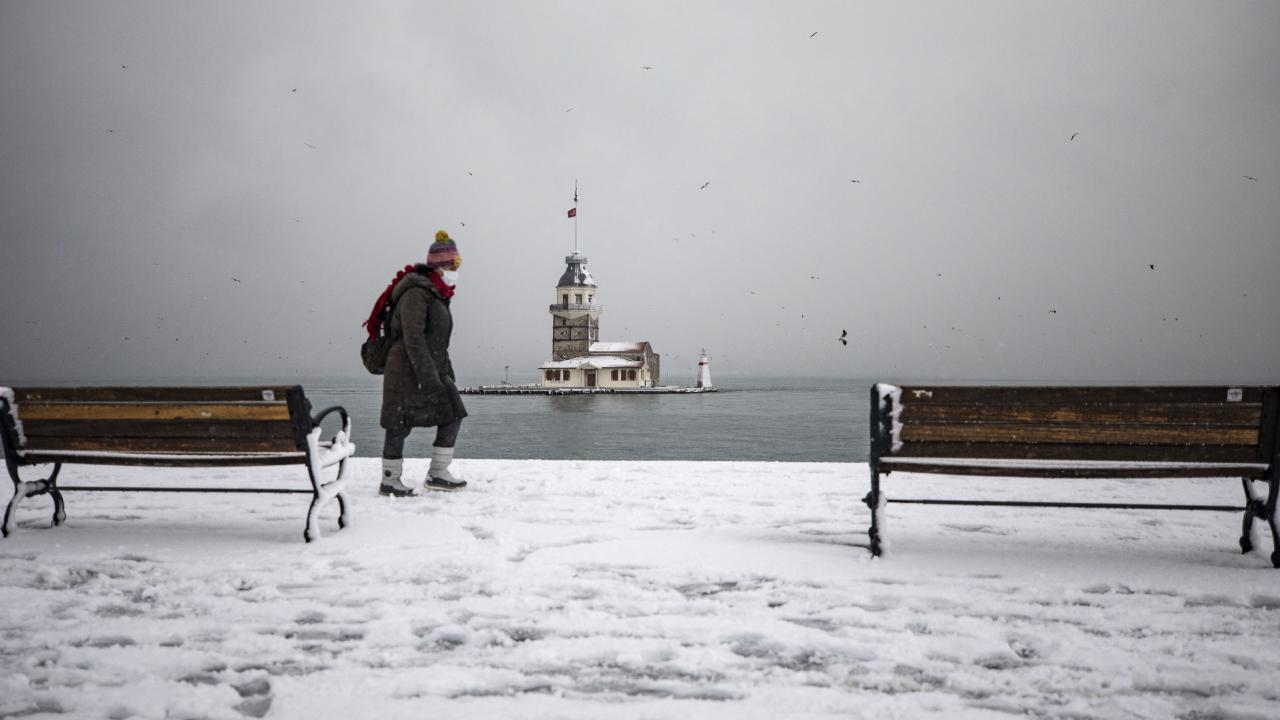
x=749 y=419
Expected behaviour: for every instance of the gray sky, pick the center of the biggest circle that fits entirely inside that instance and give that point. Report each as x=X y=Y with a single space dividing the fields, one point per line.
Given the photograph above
x=221 y=189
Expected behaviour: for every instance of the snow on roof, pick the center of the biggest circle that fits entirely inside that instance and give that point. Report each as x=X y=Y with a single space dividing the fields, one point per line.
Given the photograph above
x=575 y=272
x=629 y=346
x=595 y=361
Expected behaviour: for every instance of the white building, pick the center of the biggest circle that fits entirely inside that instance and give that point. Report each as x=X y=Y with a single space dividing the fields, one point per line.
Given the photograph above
x=578 y=358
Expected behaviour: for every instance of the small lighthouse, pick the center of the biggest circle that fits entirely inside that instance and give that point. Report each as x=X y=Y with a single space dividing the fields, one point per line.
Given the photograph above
x=704 y=372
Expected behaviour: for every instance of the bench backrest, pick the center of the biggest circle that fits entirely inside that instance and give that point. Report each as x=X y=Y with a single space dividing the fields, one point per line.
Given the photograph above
x=155 y=425
x=1157 y=424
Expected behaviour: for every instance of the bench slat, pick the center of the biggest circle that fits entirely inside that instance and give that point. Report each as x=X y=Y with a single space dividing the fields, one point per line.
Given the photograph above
x=161 y=461
x=1066 y=395
x=888 y=465
x=161 y=445
x=1073 y=451
x=158 y=428
x=1221 y=415
x=152 y=411
x=1081 y=434
x=149 y=394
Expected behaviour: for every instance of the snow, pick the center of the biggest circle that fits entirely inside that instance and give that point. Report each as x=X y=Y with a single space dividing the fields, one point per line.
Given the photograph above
x=11 y=401
x=569 y=589
x=597 y=361
x=892 y=395
x=616 y=347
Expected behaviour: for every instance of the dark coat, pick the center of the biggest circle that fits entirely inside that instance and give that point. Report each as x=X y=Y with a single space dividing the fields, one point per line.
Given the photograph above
x=418 y=387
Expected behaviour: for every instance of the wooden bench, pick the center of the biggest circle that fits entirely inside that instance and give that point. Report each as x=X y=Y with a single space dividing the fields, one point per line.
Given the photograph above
x=170 y=427
x=1079 y=432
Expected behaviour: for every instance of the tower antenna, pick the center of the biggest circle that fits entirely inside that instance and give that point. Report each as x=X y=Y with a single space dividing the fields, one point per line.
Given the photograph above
x=575 y=215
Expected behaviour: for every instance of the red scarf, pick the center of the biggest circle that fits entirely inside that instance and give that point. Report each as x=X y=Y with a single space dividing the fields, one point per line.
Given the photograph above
x=380 y=306
x=445 y=290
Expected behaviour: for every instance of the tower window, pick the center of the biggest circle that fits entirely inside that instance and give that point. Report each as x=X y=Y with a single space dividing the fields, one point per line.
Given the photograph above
x=564 y=299
x=590 y=299
x=550 y=377
x=577 y=298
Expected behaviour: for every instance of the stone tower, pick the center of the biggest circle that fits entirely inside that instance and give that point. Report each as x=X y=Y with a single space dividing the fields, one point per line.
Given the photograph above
x=575 y=315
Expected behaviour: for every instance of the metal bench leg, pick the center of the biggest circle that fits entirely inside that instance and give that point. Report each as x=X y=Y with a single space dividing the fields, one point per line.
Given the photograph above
x=23 y=489
x=873 y=501
x=1252 y=507
x=1270 y=512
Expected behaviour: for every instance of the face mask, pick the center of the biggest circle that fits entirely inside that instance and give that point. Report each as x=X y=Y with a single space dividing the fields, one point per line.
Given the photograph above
x=450 y=276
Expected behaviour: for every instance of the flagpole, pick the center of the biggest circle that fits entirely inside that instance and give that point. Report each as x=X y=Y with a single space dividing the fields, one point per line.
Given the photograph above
x=575 y=217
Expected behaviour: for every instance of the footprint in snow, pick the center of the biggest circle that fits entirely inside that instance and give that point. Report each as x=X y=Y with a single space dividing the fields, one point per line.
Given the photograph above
x=1265 y=602
x=983 y=529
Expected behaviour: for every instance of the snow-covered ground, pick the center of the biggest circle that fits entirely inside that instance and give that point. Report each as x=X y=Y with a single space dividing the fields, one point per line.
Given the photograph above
x=565 y=589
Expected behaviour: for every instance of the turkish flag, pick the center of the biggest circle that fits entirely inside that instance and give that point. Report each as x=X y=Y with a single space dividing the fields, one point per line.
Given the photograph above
x=573 y=212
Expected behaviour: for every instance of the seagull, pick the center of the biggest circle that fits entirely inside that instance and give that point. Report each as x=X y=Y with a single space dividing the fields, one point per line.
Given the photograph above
x=294 y=90
x=857 y=181
x=814 y=33
x=704 y=185
x=569 y=110
x=1247 y=177
x=843 y=334
x=1053 y=312
x=646 y=67
x=313 y=147
x=1152 y=266
x=124 y=67
x=236 y=279
x=1073 y=136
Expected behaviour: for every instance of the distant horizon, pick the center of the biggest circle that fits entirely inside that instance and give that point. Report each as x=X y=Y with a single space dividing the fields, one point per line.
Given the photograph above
x=733 y=378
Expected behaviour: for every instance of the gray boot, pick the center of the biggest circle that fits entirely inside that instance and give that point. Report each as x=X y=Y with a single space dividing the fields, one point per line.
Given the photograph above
x=438 y=475
x=391 y=485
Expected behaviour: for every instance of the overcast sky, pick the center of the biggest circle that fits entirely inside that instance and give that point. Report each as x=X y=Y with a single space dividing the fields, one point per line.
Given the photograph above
x=190 y=190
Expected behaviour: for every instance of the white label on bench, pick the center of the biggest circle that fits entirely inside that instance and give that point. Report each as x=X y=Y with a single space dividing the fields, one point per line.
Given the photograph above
x=1235 y=394
x=922 y=393
x=269 y=395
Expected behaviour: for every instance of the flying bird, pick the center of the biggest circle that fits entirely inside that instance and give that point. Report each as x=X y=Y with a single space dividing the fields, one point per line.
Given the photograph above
x=814 y=33
x=704 y=185
x=843 y=334
x=1053 y=312
x=1247 y=177
x=1152 y=266
x=857 y=181
x=236 y=279
x=646 y=67
x=124 y=67
x=313 y=147
x=1073 y=136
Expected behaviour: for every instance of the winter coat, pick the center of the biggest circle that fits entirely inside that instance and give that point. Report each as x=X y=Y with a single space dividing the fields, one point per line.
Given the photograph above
x=418 y=387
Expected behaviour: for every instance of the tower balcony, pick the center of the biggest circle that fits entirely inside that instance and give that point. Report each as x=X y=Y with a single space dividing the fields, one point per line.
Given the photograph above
x=566 y=307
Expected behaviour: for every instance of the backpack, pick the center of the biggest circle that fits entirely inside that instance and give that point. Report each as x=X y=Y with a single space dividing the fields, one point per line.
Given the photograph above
x=374 y=350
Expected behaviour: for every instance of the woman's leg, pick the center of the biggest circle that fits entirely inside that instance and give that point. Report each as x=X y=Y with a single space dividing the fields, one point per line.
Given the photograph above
x=393 y=464
x=438 y=475
x=447 y=435
x=393 y=444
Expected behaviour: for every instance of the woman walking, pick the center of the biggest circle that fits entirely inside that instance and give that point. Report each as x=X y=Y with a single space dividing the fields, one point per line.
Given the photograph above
x=418 y=387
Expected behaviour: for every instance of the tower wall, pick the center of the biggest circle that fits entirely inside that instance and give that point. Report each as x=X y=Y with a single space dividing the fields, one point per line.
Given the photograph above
x=572 y=337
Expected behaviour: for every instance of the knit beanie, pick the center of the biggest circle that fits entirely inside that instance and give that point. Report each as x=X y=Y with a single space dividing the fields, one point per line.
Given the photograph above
x=443 y=252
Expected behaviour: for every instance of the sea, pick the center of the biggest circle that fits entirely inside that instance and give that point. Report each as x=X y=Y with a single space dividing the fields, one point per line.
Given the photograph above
x=749 y=418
